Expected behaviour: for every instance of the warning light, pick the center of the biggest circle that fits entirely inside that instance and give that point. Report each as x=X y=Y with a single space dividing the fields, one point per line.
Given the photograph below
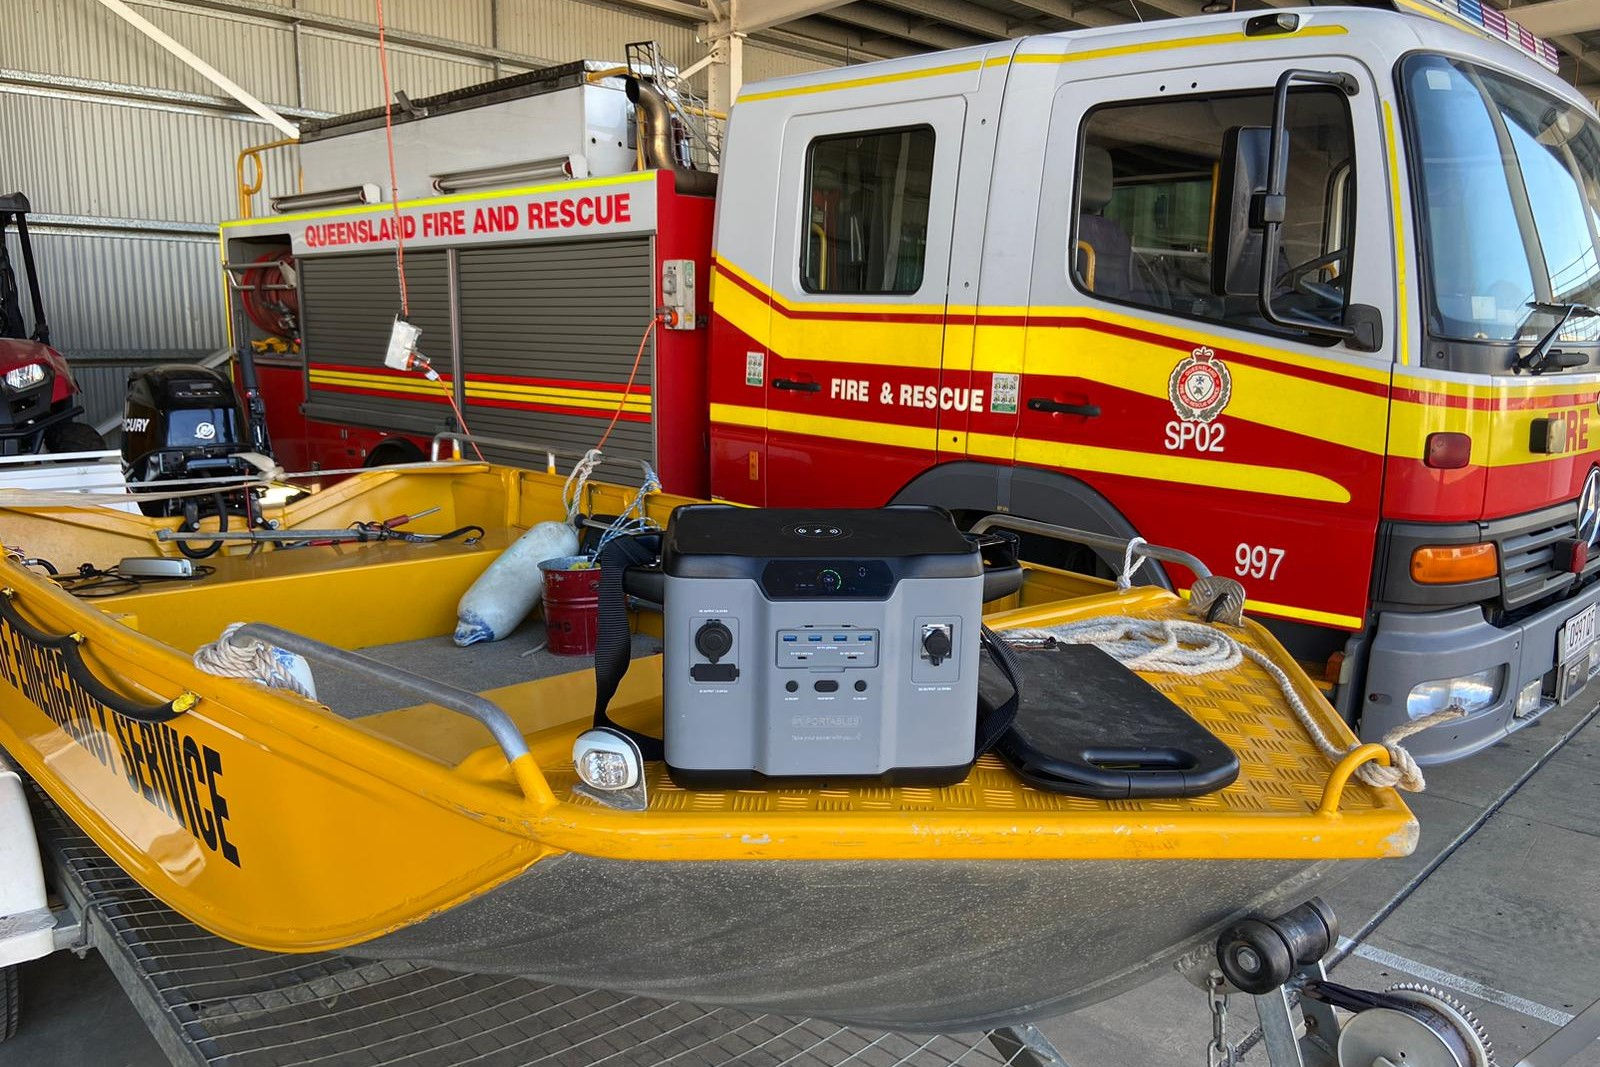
x=1447 y=451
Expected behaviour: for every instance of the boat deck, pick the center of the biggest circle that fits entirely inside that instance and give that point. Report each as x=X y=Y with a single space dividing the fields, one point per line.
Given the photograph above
x=210 y=1002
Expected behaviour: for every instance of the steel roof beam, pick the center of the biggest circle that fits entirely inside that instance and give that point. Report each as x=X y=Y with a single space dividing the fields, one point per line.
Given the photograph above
x=1549 y=18
x=187 y=57
x=777 y=12
x=918 y=31
x=847 y=43
x=969 y=17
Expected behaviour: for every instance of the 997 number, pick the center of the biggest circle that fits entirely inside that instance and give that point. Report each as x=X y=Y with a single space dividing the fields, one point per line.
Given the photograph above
x=1257 y=561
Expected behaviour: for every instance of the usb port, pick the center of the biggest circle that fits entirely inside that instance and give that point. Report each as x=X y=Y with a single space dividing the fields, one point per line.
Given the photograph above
x=864 y=637
x=791 y=637
x=841 y=637
x=814 y=637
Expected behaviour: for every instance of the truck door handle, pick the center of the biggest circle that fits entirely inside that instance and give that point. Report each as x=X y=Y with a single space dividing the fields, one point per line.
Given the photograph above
x=1056 y=407
x=798 y=386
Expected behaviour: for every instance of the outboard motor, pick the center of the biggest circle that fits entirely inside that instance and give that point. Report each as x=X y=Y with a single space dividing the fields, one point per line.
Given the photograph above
x=182 y=422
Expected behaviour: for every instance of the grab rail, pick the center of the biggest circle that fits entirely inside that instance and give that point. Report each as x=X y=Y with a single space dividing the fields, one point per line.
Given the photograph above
x=463 y=701
x=493 y=442
x=70 y=647
x=1352 y=761
x=1118 y=545
x=248 y=188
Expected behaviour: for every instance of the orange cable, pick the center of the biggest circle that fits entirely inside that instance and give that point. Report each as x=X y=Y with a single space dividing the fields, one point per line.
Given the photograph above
x=394 y=180
x=461 y=420
x=638 y=356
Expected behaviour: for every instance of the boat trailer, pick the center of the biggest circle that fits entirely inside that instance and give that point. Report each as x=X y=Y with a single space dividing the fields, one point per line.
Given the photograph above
x=208 y=1001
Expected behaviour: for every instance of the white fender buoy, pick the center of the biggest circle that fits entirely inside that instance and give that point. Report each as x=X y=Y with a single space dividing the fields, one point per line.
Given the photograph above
x=504 y=594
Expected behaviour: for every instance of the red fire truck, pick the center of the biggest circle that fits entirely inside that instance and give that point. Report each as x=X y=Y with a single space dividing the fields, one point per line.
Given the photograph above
x=1308 y=293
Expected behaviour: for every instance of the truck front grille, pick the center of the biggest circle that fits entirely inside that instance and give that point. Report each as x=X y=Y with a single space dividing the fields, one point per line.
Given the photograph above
x=1528 y=545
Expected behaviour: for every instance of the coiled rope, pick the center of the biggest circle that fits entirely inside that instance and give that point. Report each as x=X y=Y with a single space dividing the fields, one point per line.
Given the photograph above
x=1179 y=646
x=255 y=660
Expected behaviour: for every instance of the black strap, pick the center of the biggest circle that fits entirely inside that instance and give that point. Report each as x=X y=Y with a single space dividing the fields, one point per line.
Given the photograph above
x=69 y=646
x=993 y=722
x=613 y=649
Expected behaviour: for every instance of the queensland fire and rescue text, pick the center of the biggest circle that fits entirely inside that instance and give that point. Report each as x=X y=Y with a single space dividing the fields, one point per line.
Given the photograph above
x=572 y=212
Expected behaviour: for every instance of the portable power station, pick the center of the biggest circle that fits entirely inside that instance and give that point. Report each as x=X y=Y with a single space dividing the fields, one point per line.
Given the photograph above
x=819 y=644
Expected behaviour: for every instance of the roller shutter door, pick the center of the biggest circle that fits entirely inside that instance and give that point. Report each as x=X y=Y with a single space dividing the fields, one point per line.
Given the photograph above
x=548 y=335
x=348 y=304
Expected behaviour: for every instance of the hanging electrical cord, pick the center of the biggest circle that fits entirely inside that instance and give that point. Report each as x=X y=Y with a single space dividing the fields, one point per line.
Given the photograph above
x=572 y=489
x=622 y=403
x=394 y=180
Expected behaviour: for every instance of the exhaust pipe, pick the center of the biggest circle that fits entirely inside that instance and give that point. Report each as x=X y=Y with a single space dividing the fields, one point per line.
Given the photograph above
x=658 y=146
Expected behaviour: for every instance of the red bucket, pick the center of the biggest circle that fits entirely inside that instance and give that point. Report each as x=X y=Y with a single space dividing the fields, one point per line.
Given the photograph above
x=571 y=604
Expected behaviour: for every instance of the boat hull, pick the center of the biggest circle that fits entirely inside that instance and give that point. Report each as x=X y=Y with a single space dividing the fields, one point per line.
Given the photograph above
x=894 y=945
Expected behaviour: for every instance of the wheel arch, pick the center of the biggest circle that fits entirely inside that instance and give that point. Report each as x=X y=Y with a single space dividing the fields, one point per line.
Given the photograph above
x=1027 y=492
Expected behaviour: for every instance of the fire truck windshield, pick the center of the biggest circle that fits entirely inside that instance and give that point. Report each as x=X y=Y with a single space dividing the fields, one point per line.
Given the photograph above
x=1508 y=193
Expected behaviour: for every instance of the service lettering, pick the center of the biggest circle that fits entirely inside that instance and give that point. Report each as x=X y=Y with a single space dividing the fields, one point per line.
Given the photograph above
x=168 y=769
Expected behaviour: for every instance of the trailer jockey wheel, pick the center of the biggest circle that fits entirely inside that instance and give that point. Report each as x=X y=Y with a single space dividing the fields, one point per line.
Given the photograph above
x=1259 y=955
x=1421 y=1027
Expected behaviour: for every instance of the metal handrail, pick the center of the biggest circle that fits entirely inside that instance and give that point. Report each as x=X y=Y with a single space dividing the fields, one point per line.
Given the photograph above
x=249 y=189
x=1093 y=540
x=458 y=438
x=491 y=715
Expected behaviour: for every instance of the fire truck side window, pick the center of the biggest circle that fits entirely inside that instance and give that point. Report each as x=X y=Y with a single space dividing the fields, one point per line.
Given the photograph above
x=1146 y=187
x=867 y=211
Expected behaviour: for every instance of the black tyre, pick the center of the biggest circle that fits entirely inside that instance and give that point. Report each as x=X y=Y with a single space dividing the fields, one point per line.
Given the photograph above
x=10 y=1001
x=394 y=450
x=73 y=437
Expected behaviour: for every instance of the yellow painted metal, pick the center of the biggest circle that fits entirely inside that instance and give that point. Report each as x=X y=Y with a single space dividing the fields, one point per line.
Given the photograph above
x=249 y=187
x=342 y=829
x=1352 y=761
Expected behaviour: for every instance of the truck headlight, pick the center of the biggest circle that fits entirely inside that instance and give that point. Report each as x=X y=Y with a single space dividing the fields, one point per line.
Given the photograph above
x=25 y=377
x=1471 y=692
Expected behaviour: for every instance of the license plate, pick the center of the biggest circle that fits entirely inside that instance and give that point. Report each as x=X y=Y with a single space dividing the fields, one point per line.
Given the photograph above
x=1578 y=634
x=1576 y=646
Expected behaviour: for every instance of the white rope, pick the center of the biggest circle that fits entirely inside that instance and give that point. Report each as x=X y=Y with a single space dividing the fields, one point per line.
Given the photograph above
x=1177 y=646
x=572 y=488
x=1132 y=560
x=255 y=660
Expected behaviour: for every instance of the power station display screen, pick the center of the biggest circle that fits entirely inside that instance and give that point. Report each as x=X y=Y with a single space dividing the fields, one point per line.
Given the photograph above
x=849 y=579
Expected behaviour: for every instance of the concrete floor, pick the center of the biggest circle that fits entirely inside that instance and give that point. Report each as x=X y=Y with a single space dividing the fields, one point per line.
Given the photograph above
x=1510 y=924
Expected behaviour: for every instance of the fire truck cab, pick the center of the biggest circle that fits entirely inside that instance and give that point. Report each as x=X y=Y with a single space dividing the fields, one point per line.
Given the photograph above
x=1306 y=292
x=1310 y=293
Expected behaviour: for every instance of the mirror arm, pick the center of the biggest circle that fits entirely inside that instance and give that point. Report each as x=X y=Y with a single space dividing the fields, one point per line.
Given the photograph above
x=1272 y=208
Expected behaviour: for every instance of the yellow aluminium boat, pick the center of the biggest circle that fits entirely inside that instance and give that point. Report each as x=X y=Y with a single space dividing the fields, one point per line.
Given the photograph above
x=402 y=828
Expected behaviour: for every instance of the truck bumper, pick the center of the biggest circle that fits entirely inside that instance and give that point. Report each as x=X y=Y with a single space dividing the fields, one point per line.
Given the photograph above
x=1409 y=649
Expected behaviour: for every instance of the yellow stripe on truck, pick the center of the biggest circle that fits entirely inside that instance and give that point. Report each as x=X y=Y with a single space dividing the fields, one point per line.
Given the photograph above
x=1245 y=477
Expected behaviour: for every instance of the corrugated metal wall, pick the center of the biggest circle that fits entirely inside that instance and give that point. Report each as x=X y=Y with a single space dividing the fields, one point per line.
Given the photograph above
x=132 y=153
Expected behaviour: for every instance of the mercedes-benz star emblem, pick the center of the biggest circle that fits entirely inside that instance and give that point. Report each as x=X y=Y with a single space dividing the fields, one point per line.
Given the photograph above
x=1589 y=509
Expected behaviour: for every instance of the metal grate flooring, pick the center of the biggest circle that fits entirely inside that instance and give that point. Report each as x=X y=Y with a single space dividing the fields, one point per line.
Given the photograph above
x=209 y=1001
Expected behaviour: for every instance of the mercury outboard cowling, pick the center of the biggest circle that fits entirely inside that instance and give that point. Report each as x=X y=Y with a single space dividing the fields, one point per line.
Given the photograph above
x=181 y=421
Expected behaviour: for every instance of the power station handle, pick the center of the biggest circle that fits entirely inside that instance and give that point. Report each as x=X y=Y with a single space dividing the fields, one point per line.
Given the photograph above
x=1056 y=407
x=798 y=386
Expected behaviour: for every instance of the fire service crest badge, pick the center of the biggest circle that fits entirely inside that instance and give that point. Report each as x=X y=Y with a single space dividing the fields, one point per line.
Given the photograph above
x=1200 y=386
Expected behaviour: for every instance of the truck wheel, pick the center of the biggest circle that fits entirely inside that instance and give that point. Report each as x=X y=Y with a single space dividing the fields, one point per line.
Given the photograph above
x=392 y=451
x=10 y=1001
x=73 y=437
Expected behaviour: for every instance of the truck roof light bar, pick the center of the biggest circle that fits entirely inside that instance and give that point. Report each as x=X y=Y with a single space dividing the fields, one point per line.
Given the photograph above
x=1480 y=16
x=350 y=194
x=557 y=168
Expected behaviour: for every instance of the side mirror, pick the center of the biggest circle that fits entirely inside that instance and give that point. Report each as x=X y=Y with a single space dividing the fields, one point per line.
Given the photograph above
x=1247 y=226
x=1235 y=222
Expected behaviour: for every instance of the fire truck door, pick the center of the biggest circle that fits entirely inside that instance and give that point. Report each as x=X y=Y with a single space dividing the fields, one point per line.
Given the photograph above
x=1207 y=426
x=861 y=260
